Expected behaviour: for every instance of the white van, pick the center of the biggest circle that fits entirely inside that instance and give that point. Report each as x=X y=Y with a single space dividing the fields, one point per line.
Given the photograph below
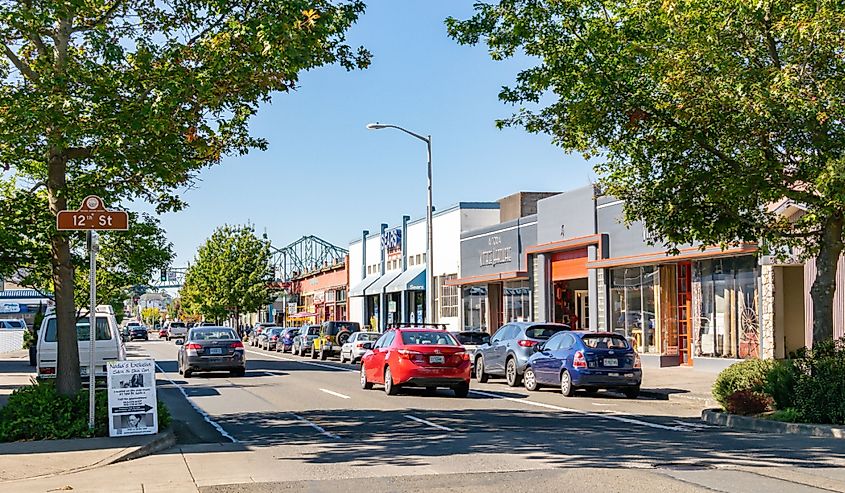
x=108 y=347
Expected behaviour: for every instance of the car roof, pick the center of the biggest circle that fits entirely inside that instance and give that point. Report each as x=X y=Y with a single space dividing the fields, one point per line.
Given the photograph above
x=594 y=333
x=530 y=324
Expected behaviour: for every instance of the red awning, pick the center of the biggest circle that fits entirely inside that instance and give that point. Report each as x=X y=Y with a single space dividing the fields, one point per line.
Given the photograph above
x=303 y=315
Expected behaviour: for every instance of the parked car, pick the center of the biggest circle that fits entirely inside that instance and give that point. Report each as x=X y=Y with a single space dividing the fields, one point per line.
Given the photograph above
x=138 y=332
x=354 y=348
x=333 y=335
x=269 y=338
x=256 y=331
x=285 y=343
x=107 y=347
x=588 y=360
x=175 y=330
x=211 y=349
x=304 y=341
x=13 y=323
x=416 y=357
x=162 y=333
x=510 y=347
x=471 y=339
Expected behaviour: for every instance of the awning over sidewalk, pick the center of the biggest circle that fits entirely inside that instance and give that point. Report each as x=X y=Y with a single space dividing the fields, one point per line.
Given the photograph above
x=358 y=289
x=412 y=279
x=378 y=286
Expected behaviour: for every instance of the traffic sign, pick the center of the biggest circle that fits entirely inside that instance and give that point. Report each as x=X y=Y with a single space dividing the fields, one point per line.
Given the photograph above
x=92 y=215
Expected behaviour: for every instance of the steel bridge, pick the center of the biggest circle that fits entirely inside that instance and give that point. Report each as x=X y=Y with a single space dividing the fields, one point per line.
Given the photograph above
x=305 y=255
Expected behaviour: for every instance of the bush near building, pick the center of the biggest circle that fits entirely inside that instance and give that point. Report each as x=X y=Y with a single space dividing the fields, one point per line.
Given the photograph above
x=809 y=388
x=40 y=412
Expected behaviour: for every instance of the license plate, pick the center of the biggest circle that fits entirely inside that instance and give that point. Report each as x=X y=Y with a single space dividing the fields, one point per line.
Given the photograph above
x=437 y=359
x=613 y=374
x=215 y=350
x=611 y=362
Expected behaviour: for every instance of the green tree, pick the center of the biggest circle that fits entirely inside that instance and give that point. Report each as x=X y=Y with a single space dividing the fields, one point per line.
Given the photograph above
x=130 y=99
x=703 y=112
x=150 y=315
x=231 y=274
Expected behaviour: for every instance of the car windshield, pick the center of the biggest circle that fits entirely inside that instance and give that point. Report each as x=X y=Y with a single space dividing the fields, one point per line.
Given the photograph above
x=274 y=332
x=602 y=341
x=419 y=337
x=364 y=336
x=473 y=337
x=178 y=324
x=82 y=330
x=212 y=334
x=543 y=331
x=313 y=331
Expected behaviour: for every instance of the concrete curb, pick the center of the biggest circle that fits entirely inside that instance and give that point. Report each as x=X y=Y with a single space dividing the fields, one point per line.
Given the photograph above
x=682 y=397
x=720 y=418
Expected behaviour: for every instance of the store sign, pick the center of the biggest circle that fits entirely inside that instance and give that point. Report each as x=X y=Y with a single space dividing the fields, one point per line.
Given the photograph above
x=391 y=241
x=10 y=308
x=132 y=398
x=496 y=254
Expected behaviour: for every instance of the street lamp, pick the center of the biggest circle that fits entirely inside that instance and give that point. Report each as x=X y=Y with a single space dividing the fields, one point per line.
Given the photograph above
x=429 y=269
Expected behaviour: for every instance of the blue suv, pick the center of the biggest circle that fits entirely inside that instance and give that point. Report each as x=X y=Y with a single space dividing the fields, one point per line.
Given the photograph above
x=588 y=360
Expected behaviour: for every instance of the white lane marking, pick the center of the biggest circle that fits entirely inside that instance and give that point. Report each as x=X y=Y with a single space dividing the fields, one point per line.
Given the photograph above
x=316 y=427
x=202 y=413
x=426 y=422
x=335 y=394
x=693 y=425
x=303 y=362
x=611 y=414
x=603 y=404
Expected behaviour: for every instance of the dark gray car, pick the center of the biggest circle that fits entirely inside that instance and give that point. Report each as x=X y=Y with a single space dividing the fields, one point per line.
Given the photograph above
x=211 y=349
x=510 y=347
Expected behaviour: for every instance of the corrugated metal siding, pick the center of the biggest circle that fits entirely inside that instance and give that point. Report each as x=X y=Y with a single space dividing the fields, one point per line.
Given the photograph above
x=838 y=300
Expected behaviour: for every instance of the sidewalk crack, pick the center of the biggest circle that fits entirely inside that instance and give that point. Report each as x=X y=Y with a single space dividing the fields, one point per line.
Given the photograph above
x=193 y=479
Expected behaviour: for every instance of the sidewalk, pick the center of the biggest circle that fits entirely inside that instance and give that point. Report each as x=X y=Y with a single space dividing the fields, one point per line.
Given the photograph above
x=679 y=383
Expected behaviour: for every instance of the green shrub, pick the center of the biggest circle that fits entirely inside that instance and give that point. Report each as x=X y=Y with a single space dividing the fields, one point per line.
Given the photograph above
x=788 y=415
x=745 y=375
x=747 y=403
x=39 y=412
x=820 y=384
x=780 y=383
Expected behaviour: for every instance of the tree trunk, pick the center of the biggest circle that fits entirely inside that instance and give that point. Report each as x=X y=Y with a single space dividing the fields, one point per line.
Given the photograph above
x=68 y=380
x=824 y=285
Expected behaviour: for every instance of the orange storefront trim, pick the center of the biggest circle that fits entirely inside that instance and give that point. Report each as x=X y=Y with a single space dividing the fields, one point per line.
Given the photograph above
x=571 y=264
x=662 y=257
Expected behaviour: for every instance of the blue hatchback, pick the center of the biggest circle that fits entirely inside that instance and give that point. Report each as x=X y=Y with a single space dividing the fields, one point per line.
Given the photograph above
x=586 y=360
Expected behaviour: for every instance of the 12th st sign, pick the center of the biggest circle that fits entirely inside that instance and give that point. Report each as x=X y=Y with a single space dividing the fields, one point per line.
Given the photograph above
x=92 y=215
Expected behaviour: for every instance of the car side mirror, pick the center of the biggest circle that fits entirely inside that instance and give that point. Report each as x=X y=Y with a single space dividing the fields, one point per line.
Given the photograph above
x=179 y=342
x=367 y=345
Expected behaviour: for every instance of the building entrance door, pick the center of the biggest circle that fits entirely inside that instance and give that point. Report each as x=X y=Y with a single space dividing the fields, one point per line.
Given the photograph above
x=684 y=313
x=582 y=306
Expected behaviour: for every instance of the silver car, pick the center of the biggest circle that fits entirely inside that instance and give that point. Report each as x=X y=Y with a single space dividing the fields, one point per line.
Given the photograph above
x=211 y=349
x=510 y=347
x=354 y=347
x=471 y=339
x=303 y=343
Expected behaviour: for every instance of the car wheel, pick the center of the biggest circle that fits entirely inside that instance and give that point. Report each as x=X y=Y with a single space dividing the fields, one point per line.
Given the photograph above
x=461 y=390
x=364 y=383
x=513 y=377
x=342 y=359
x=187 y=373
x=530 y=380
x=631 y=392
x=430 y=390
x=323 y=354
x=480 y=376
x=566 y=387
x=389 y=387
x=313 y=353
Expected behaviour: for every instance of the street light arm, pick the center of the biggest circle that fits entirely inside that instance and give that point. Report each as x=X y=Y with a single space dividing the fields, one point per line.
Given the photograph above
x=378 y=126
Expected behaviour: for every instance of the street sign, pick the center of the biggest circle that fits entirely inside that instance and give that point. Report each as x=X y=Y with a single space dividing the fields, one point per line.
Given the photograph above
x=92 y=215
x=132 y=398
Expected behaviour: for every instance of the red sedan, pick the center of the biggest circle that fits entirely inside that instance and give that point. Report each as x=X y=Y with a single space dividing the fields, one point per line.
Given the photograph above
x=416 y=357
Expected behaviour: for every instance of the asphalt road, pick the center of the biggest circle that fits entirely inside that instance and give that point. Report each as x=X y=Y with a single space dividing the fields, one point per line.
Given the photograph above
x=310 y=427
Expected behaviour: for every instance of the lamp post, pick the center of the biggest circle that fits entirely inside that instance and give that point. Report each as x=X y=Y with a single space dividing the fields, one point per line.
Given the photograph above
x=429 y=268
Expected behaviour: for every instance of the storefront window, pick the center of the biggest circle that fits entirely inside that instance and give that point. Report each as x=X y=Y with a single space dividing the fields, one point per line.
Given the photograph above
x=728 y=325
x=475 y=308
x=448 y=297
x=516 y=301
x=633 y=306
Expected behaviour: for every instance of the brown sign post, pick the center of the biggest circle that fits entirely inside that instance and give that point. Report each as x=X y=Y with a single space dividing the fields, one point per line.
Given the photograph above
x=92 y=215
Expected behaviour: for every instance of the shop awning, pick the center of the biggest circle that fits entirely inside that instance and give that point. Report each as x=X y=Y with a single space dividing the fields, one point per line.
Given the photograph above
x=303 y=315
x=412 y=279
x=378 y=286
x=358 y=289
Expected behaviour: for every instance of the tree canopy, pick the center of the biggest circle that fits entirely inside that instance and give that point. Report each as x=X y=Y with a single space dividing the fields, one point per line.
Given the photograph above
x=705 y=114
x=231 y=275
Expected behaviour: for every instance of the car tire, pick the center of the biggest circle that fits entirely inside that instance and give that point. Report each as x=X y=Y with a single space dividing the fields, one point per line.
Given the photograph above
x=323 y=354
x=461 y=390
x=632 y=392
x=566 y=387
x=430 y=390
x=187 y=373
x=238 y=372
x=480 y=376
x=366 y=385
x=313 y=353
x=390 y=388
x=511 y=374
x=342 y=358
x=529 y=379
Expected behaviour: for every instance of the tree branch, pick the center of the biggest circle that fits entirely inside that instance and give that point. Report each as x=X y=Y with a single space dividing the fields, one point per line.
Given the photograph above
x=771 y=45
x=108 y=14
x=17 y=62
x=78 y=152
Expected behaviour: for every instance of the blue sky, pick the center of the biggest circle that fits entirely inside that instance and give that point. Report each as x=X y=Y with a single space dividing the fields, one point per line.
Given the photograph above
x=325 y=174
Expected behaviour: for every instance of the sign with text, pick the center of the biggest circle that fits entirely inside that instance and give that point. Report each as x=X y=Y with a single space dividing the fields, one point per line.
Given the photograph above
x=92 y=215
x=132 y=398
x=391 y=241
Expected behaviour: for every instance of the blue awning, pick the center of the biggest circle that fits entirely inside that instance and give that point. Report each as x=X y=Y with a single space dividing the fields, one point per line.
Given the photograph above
x=412 y=279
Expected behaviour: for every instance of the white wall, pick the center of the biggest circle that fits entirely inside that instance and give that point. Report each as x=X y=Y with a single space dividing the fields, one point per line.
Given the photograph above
x=11 y=340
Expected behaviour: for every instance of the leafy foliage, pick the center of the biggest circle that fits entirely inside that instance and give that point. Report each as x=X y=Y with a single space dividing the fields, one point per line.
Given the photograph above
x=747 y=402
x=705 y=113
x=230 y=276
x=39 y=412
x=748 y=375
x=780 y=383
x=820 y=386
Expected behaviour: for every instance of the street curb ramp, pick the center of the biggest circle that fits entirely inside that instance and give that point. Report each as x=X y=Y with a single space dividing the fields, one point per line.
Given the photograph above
x=748 y=423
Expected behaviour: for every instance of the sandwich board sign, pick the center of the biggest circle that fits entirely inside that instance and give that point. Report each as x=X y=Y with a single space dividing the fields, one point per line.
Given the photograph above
x=132 y=398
